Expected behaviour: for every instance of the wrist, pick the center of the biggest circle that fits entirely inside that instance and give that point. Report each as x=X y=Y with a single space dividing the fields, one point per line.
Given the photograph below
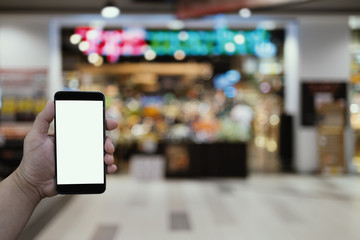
x=25 y=188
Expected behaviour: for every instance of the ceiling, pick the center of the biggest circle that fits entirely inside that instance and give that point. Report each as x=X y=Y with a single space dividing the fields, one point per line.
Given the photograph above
x=351 y=7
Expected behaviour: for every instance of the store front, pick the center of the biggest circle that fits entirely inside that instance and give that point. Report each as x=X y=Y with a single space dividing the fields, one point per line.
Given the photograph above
x=354 y=88
x=234 y=97
x=212 y=86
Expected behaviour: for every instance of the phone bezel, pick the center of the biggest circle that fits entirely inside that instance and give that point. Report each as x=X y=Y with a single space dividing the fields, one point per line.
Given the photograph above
x=79 y=188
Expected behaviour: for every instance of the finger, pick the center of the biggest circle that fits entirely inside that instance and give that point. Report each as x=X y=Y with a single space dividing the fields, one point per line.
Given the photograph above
x=111 y=169
x=109 y=159
x=44 y=118
x=109 y=146
x=111 y=124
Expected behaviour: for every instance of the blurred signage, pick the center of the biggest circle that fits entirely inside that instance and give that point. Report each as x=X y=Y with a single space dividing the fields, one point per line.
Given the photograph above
x=153 y=43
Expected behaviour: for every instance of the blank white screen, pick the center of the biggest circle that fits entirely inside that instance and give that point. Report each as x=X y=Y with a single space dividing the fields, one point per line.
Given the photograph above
x=79 y=142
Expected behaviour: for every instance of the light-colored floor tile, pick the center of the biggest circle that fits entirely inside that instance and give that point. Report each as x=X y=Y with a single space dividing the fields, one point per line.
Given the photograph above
x=262 y=207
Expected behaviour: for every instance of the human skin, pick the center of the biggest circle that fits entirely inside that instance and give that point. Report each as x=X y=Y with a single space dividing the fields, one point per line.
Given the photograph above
x=34 y=179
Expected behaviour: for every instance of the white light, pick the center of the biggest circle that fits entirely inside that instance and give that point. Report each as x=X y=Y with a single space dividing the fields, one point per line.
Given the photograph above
x=245 y=12
x=230 y=47
x=93 y=58
x=176 y=24
x=137 y=130
x=97 y=23
x=260 y=141
x=183 y=36
x=250 y=65
x=84 y=46
x=354 y=108
x=75 y=39
x=239 y=39
x=133 y=105
x=74 y=83
x=92 y=34
x=204 y=108
x=179 y=55
x=354 y=22
x=270 y=68
x=267 y=25
x=150 y=55
x=110 y=12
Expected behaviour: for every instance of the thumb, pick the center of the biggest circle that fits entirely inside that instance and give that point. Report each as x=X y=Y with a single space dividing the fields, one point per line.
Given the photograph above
x=44 y=118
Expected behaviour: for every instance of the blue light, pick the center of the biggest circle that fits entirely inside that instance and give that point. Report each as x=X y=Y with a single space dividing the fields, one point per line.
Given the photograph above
x=233 y=76
x=221 y=82
x=230 y=92
x=265 y=50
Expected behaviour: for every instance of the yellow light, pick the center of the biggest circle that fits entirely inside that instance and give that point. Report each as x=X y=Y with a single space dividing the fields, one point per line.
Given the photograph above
x=93 y=58
x=260 y=141
x=84 y=46
x=271 y=145
x=274 y=120
x=99 y=61
x=150 y=55
x=75 y=39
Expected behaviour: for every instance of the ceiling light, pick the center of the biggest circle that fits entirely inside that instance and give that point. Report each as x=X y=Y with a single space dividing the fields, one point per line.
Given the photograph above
x=175 y=24
x=267 y=25
x=110 y=10
x=245 y=12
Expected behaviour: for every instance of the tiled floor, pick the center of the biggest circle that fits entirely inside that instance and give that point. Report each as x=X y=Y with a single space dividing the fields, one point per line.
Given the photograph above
x=261 y=207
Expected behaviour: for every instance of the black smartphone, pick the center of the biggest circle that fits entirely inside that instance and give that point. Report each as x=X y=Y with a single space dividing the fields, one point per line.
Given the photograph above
x=79 y=142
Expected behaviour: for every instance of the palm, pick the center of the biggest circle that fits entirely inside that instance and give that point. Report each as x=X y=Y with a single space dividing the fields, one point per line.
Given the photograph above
x=40 y=169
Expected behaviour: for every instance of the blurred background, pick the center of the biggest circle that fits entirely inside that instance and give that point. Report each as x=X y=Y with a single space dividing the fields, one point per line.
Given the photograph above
x=237 y=119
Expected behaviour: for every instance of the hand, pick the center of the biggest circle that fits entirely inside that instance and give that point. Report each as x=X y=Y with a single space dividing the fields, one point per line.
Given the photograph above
x=37 y=168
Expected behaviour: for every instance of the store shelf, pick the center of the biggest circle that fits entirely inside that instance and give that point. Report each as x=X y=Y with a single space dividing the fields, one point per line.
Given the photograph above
x=14 y=130
x=11 y=148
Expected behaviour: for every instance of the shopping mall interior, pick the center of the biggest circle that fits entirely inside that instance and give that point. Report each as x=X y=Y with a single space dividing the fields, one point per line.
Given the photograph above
x=236 y=119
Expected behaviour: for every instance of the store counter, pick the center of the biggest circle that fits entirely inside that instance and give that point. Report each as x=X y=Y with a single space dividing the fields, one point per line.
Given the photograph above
x=206 y=160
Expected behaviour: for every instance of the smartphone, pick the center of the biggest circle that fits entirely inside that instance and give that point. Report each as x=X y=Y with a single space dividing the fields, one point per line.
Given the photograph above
x=79 y=142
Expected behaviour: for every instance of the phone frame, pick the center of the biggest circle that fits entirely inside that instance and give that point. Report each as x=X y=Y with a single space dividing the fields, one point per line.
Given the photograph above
x=79 y=188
